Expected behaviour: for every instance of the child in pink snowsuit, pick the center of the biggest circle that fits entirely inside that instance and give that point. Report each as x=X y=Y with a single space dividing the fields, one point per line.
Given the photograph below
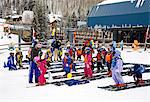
x=88 y=63
x=41 y=63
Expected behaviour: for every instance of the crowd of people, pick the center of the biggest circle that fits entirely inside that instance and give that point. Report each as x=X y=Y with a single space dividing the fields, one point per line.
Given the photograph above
x=40 y=61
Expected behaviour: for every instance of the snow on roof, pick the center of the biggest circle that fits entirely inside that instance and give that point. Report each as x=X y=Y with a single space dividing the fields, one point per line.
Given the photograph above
x=54 y=17
x=2 y=20
x=112 y=1
x=16 y=16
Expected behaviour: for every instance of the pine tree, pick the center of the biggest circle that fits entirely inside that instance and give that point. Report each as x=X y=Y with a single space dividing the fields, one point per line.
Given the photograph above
x=40 y=22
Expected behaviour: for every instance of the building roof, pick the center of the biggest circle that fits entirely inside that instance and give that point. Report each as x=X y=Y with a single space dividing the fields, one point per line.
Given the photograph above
x=112 y=1
x=120 y=12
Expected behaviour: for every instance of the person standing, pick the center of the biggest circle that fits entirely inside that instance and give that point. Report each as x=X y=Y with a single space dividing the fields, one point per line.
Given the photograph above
x=67 y=63
x=99 y=61
x=56 y=44
x=117 y=67
x=42 y=64
x=108 y=59
x=88 y=63
x=33 y=66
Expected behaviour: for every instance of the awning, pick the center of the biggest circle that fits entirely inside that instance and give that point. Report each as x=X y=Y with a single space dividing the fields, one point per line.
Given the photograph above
x=124 y=13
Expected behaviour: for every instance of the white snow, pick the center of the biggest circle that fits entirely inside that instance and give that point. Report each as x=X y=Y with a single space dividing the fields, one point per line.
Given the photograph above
x=13 y=85
x=111 y=2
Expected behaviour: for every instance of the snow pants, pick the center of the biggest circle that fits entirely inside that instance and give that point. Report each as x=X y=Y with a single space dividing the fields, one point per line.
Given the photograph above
x=41 y=78
x=12 y=67
x=56 y=54
x=88 y=71
x=33 y=69
x=99 y=66
x=117 y=77
x=108 y=65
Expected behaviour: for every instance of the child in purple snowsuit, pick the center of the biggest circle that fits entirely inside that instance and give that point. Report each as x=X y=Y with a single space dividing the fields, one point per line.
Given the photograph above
x=117 y=67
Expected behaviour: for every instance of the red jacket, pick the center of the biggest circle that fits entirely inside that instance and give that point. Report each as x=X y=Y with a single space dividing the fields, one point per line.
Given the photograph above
x=98 y=57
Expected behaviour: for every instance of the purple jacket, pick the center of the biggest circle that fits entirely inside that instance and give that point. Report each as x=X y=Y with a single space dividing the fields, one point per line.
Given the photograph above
x=117 y=63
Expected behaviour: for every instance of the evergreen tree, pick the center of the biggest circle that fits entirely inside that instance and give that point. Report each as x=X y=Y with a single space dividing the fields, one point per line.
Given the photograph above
x=40 y=22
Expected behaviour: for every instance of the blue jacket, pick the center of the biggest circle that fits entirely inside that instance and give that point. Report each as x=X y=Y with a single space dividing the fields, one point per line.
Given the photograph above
x=10 y=61
x=67 y=64
x=138 y=68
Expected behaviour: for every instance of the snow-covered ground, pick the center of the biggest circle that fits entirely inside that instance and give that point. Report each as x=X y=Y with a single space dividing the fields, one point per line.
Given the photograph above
x=13 y=86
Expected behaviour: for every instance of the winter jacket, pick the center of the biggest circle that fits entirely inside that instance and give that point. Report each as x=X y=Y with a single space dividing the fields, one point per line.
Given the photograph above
x=79 y=52
x=56 y=44
x=108 y=58
x=139 y=68
x=98 y=57
x=117 y=64
x=67 y=63
x=34 y=53
x=10 y=61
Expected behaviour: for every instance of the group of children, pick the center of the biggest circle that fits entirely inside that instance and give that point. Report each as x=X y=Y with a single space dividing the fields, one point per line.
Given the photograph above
x=14 y=57
x=110 y=58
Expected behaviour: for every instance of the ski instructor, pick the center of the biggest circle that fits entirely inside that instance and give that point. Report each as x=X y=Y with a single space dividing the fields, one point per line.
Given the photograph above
x=33 y=66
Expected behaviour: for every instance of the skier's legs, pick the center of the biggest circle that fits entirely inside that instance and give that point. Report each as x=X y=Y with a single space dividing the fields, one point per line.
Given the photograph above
x=108 y=66
x=90 y=72
x=73 y=67
x=37 y=73
x=85 y=71
x=119 y=78
x=114 y=77
x=55 y=54
x=102 y=67
x=31 y=72
x=67 y=70
x=98 y=66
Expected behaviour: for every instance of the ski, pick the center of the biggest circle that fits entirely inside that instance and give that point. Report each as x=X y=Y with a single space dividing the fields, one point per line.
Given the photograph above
x=129 y=85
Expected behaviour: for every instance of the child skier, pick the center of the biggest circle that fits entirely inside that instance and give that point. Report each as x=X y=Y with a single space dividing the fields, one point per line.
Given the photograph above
x=88 y=63
x=67 y=63
x=99 y=61
x=137 y=73
x=41 y=63
x=60 y=54
x=108 y=60
x=10 y=62
x=19 y=57
x=48 y=56
x=79 y=53
x=117 y=67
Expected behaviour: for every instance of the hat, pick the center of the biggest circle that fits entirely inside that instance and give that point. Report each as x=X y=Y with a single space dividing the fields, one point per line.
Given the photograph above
x=17 y=49
x=87 y=48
